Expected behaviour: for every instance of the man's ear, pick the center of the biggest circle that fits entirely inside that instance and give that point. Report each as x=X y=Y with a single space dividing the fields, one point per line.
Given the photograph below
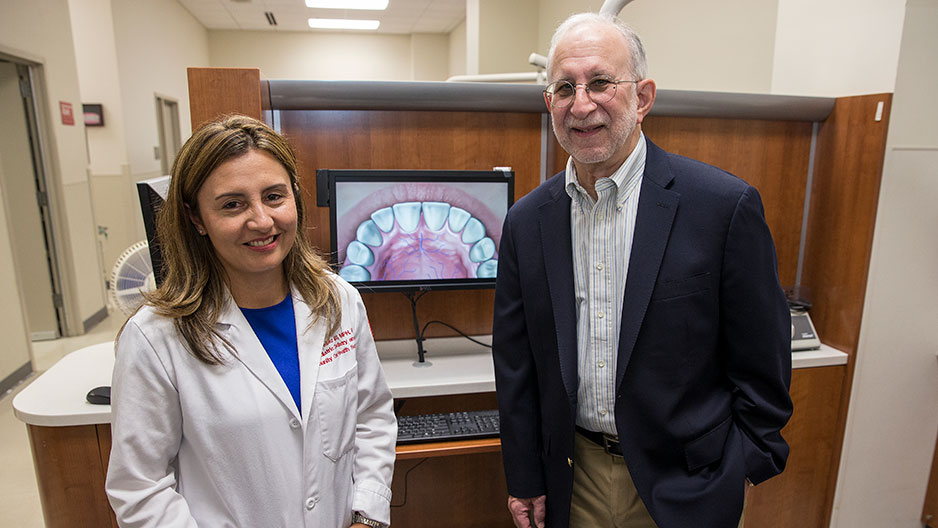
x=195 y=219
x=645 y=90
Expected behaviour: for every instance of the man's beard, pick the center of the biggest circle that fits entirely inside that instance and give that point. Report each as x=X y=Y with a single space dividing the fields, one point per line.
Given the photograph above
x=620 y=130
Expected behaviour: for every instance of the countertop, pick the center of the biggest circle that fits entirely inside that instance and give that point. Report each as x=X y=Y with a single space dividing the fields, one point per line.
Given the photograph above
x=456 y=366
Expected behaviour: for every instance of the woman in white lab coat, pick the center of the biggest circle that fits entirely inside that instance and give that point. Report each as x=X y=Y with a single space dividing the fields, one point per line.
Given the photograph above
x=247 y=392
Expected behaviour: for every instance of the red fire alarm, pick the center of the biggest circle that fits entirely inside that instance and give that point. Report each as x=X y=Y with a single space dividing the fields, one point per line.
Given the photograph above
x=68 y=115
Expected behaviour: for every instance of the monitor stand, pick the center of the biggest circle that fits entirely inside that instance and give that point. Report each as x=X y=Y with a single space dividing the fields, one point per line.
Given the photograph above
x=421 y=360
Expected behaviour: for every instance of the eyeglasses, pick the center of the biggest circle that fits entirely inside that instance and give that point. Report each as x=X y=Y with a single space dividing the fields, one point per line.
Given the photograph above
x=561 y=94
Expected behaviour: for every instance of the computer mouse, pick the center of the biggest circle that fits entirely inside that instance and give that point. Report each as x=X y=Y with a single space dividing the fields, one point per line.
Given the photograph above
x=99 y=396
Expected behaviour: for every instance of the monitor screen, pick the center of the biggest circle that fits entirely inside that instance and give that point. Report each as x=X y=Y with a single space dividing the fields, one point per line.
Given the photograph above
x=411 y=230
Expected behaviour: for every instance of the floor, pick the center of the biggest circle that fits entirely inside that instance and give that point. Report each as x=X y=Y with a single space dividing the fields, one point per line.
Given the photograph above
x=19 y=494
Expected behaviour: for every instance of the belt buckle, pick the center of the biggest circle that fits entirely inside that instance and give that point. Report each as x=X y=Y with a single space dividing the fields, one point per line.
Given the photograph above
x=611 y=445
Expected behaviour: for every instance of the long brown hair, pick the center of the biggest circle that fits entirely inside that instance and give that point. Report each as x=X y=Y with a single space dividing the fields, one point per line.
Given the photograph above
x=194 y=288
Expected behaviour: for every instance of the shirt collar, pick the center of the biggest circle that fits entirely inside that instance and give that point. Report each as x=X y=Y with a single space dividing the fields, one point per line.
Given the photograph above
x=623 y=177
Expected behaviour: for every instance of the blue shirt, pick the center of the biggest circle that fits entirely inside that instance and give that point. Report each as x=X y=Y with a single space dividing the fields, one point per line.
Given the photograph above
x=275 y=327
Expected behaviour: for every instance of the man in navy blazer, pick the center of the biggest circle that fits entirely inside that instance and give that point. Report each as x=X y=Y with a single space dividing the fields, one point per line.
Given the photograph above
x=684 y=412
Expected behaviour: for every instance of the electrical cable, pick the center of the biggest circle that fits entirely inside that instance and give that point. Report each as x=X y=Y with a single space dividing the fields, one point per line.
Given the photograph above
x=406 y=473
x=453 y=328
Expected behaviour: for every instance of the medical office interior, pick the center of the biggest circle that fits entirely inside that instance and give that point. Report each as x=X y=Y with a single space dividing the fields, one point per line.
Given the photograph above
x=70 y=208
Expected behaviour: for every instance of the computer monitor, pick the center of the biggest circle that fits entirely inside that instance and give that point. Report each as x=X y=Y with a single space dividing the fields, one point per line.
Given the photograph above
x=416 y=230
x=152 y=194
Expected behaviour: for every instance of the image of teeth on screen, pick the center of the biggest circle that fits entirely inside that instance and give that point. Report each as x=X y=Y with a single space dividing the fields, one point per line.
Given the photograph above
x=391 y=231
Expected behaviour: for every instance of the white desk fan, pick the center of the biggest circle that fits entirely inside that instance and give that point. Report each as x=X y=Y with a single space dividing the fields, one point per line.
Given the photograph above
x=131 y=275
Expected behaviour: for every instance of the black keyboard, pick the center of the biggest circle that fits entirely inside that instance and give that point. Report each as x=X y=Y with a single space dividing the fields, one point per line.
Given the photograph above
x=447 y=426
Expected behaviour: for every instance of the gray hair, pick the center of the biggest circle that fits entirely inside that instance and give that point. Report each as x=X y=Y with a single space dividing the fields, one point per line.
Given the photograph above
x=637 y=50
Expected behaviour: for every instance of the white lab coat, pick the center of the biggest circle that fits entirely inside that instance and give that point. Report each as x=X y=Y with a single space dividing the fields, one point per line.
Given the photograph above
x=225 y=446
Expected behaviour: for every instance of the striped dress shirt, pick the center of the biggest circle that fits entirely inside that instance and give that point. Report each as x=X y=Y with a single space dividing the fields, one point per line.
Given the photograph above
x=601 y=233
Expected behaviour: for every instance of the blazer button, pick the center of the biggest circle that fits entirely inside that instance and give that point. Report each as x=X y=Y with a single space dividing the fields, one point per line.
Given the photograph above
x=310 y=503
x=294 y=423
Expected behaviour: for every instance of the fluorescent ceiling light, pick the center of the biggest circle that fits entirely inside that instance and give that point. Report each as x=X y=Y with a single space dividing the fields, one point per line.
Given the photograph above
x=376 y=5
x=342 y=23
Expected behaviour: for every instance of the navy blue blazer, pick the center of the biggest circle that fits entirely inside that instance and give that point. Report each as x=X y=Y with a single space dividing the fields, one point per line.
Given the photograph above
x=704 y=357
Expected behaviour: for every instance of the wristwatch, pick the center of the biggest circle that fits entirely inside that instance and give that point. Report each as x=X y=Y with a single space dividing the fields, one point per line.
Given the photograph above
x=359 y=518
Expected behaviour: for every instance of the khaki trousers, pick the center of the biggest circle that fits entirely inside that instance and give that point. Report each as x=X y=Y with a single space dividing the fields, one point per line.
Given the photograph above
x=604 y=495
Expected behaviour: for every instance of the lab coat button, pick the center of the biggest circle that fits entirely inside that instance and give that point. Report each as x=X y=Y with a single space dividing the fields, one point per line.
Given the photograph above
x=310 y=503
x=294 y=423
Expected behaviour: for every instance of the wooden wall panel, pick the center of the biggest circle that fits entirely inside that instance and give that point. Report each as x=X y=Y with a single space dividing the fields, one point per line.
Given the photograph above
x=414 y=140
x=851 y=146
x=930 y=510
x=839 y=238
x=217 y=91
x=772 y=156
x=798 y=496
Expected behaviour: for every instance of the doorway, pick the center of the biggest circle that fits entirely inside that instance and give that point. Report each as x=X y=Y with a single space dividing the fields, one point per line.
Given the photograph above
x=167 y=120
x=26 y=201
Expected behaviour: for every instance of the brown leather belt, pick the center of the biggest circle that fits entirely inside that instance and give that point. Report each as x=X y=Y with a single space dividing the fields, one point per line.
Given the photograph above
x=608 y=442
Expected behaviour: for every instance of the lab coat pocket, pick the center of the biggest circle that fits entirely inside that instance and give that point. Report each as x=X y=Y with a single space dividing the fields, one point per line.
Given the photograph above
x=336 y=403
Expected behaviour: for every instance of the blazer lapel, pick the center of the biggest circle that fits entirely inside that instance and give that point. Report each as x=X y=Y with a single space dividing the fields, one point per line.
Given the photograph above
x=309 y=341
x=251 y=353
x=656 y=209
x=554 y=223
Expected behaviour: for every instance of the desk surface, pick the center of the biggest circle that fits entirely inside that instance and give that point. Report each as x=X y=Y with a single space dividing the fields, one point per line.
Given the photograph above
x=57 y=397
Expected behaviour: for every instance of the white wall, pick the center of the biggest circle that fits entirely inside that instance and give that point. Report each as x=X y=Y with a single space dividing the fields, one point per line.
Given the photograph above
x=128 y=53
x=323 y=55
x=40 y=31
x=892 y=421
x=429 y=56
x=836 y=48
x=99 y=82
x=457 y=50
x=507 y=35
x=156 y=41
x=552 y=12
x=722 y=46
x=795 y=47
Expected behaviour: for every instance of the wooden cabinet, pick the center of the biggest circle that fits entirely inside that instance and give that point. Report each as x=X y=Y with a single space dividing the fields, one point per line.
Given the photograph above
x=462 y=484
x=798 y=496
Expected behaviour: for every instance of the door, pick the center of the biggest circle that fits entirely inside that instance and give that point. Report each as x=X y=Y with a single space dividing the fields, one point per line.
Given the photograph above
x=26 y=203
x=167 y=119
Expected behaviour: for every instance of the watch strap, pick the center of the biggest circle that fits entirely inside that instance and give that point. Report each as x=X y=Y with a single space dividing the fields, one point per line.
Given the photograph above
x=357 y=517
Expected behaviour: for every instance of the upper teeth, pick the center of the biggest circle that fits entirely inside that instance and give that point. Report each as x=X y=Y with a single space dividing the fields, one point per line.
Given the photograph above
x=436 y=216
x=263 y=242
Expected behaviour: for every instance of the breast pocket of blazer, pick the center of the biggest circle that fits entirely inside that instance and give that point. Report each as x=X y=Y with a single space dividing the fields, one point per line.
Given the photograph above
x=674 y=289
x=337 y=401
